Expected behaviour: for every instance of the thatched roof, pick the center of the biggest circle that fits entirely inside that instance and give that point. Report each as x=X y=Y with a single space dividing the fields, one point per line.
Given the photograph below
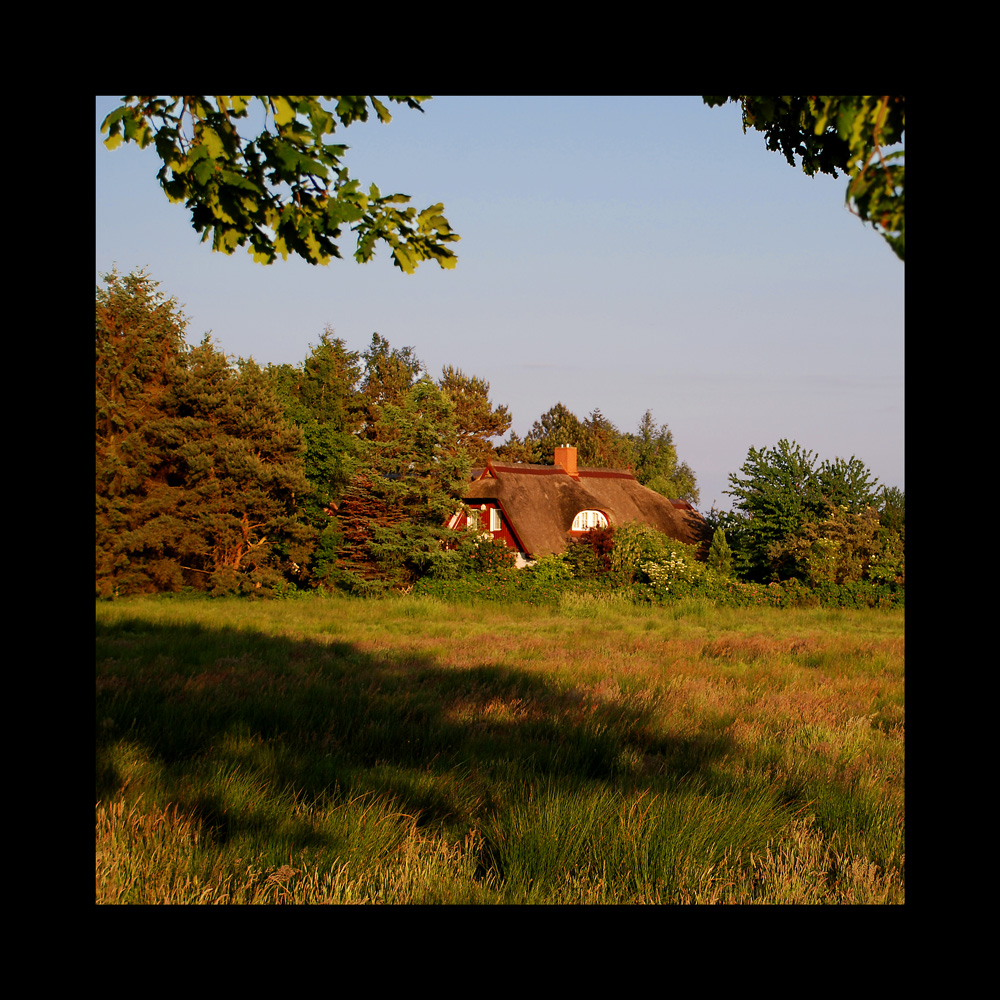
x=540 y=502
x=631 y=501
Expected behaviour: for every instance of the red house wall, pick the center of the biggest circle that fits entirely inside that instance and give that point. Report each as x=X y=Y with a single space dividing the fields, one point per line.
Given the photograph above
x=484 y=507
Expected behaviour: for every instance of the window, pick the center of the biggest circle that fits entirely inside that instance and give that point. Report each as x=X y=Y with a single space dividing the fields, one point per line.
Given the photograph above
x=472 y=521
x=494 y=519
x=588 y=519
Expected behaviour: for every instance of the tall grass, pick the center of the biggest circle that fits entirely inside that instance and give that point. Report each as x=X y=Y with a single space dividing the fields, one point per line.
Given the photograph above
x=411 y=751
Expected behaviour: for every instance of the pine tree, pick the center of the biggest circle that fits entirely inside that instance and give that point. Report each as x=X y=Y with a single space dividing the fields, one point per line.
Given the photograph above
x=656 y=464
x=241 y=469
x=139 y=348
x=388 y=374
x=199 y=472
x=556 y=427
x=477 y=421
x=321 y=397
x=395 y=511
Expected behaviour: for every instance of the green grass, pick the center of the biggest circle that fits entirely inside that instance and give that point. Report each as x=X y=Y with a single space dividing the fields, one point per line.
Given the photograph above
x=411 y=751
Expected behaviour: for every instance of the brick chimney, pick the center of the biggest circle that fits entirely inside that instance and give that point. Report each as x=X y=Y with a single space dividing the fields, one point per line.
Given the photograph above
x=566 y=457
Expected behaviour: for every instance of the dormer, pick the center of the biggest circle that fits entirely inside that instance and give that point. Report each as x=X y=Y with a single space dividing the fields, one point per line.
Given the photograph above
x=587 y=520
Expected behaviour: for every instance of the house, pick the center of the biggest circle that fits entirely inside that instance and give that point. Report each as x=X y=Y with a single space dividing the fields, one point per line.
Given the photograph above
x=538 y=509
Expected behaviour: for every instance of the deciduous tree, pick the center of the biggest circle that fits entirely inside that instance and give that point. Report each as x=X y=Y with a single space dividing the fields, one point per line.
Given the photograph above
x=284 y=190
x=843 y=547
x=841 y=133
x=780 y=490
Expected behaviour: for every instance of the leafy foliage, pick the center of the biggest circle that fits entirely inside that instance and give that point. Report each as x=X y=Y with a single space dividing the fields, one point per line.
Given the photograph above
x=892 y=509
x=812 y=521
x=638 y=545
x=590 y=553
x=489 y=555
x=845 y=547
x=777 y=493
x=285 y=190
x=841 y=133
x=344 y=470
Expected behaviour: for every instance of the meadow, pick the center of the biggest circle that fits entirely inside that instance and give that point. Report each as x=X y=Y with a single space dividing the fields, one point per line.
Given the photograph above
x=415 y=750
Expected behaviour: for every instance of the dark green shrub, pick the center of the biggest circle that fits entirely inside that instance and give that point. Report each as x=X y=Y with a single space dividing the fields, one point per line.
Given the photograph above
x=590 y=554
x=720 y=555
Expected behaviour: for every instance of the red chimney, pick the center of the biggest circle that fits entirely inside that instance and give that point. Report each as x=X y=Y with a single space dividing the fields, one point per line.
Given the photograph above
x=566 y=457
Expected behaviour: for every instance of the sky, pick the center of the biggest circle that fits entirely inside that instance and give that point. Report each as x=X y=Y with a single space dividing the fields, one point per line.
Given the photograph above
x=617 y=253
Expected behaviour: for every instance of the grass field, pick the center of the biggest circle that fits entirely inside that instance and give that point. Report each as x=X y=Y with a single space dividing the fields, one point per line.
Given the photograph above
x=411 y=751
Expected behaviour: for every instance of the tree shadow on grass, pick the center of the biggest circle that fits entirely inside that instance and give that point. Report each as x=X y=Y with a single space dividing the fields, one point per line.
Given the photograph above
x=223 y=716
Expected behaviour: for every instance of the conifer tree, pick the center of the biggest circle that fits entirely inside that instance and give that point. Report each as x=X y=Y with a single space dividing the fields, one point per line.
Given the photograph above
x=477 y=421
x=199 y=473
x=388 y=375
x=655 y=461
x=139 y=347
x=395 y=512
x=517 y=449
x=649 y=453
x=557 y=426
x=321 y=397
x=720 y=556
x=240 y=465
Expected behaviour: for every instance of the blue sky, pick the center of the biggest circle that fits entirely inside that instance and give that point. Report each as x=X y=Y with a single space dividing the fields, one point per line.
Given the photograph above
x=620 y=253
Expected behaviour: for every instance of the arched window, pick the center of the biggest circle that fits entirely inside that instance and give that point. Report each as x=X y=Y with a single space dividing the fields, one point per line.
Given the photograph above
x=588 y=519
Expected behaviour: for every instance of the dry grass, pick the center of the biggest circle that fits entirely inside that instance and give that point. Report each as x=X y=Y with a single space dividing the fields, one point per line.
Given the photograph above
x=336 y=751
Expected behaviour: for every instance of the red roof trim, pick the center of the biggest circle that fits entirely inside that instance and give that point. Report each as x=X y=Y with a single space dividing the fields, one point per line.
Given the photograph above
x=530 y=470
x=603 y=474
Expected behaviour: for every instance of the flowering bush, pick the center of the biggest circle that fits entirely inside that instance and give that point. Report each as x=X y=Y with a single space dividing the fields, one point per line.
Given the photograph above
x=636 y=544
x=491 y=555
x=665 y=576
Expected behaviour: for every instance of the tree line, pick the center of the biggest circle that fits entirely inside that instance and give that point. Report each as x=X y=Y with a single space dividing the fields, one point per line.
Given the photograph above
x=341 y=471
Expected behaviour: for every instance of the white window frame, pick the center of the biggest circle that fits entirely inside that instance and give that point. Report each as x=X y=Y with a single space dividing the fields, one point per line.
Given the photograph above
x=496 y=522
x=587 y=520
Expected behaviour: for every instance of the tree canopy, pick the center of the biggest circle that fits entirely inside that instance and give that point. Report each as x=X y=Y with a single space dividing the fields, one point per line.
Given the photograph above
x=285 y=190
x=797 y=517
x=841 y=133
